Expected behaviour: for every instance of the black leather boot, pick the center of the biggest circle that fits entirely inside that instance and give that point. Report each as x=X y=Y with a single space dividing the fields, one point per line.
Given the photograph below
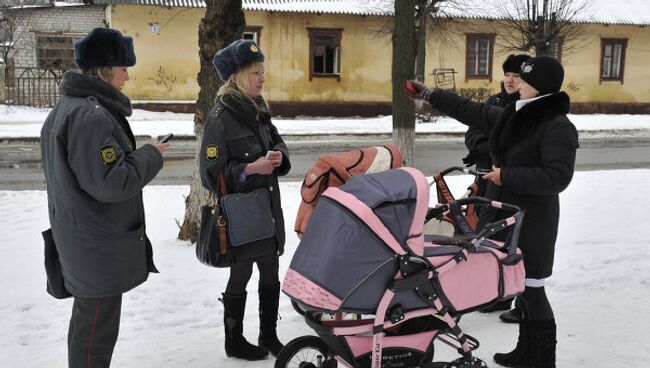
x=511 y=316
x=535 y=348
x=269 y=302
x=233 y=318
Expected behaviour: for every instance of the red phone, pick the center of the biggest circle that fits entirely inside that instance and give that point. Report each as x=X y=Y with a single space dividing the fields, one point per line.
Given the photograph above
x=410 y=88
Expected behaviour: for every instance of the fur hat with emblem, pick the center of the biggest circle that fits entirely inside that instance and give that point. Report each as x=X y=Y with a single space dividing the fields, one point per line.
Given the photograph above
x=103 y=47
x=235 y=56
x=544 y=73
x=513 y=62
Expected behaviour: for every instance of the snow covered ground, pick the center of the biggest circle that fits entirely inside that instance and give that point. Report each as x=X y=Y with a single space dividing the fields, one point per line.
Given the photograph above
x=600 y=289
x=27 y=122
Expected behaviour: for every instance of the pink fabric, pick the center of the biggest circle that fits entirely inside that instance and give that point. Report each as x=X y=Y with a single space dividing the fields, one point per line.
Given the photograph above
x=366 y=215
x=496 y=204
x=514 y=276
x=302 y=289
x=472 y=282
x=379 y=321
x=415 y=240
x=360 y=345
x=510 y=221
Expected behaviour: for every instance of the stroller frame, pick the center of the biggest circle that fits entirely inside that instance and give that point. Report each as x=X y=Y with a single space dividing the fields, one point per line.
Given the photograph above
x=416 y=273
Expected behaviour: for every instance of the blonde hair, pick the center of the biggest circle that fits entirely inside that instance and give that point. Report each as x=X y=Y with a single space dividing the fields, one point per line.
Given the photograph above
x=238 y=83
x=104 y=73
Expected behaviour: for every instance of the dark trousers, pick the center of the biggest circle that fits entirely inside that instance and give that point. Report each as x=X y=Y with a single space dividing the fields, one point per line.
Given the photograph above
x=94 y=326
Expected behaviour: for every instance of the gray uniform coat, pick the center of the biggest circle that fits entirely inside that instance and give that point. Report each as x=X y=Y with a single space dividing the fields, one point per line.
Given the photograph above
x=94 y=176
x=229 y=144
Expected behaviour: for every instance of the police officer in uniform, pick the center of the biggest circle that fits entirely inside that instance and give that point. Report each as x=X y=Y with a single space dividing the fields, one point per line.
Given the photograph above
x=95 y=175
x=237 y=137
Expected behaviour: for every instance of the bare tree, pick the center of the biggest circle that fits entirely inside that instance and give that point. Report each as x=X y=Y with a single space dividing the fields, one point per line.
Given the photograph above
x=540 y=25
x=8 y=32
x=404 y=42
x=222 y=24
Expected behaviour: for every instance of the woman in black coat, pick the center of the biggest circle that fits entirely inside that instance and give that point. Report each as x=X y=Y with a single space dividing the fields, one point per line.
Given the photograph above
x=533 y=147
x=240 y=141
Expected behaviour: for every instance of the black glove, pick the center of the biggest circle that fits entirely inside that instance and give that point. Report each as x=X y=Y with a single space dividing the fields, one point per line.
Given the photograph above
x=470 y=159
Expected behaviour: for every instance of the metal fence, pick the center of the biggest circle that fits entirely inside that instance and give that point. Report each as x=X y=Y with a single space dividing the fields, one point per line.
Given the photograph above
x=32 y=86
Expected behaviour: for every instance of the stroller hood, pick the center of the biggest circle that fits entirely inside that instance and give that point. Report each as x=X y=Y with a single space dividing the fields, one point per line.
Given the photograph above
x=348 y=253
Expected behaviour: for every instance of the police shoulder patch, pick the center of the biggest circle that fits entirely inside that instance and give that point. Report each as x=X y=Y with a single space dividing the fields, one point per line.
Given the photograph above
x=212 y=152
x=107 y=154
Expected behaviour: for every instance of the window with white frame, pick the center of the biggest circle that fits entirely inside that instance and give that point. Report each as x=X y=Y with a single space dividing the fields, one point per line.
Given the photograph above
x=479 y=52
x=612 y=65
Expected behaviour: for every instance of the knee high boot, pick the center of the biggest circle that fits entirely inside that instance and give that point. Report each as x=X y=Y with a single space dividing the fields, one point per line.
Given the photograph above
x=269 y=302
x=233 y=318
x=535 y=348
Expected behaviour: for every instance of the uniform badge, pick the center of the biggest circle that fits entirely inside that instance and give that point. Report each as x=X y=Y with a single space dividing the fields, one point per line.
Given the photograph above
x=254 y=48
x=108 y=154
x=212 y=152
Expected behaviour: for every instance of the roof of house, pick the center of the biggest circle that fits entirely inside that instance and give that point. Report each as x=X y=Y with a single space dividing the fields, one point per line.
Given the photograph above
x=630 y=12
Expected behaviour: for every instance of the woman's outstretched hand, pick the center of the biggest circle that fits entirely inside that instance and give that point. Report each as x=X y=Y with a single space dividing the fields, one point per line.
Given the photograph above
x=417 y=90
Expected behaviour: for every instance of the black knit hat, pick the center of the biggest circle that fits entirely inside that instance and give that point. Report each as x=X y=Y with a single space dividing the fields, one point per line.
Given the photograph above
x=513 y=62
x=103 y=47
x=544 y=73
x=235 y=56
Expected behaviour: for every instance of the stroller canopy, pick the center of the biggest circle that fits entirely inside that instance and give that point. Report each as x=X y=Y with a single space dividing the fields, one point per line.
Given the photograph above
x=348 y=253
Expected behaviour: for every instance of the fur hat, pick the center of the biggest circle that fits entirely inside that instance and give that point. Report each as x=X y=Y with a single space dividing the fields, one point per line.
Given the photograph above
x=544 y=73
x=513 y=62
x=235 y=56
x=103 y=47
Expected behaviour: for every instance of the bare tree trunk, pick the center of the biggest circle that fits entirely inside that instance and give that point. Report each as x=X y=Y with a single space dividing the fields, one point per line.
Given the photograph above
x=403 y=69
x=222 y=24
x=421 y=39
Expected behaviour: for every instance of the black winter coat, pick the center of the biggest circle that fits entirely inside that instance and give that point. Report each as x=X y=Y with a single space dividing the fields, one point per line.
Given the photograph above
x=535 y=148
x=476 y=139
x=95 y=176
x=230 y=136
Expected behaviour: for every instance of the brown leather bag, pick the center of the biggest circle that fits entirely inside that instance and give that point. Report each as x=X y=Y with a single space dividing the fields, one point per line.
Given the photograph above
x=333 y=170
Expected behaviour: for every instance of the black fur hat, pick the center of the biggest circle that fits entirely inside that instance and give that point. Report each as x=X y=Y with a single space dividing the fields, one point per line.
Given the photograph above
x=103 y=47
x=513 y=62
x=235 y=56
x=544 y=73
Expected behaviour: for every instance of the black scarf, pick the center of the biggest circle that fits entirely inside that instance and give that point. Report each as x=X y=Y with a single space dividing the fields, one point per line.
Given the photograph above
x=513 y=125
x=79 y=85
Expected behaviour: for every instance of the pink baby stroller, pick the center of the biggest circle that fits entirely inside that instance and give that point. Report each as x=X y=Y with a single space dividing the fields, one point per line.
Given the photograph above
x=363 y=252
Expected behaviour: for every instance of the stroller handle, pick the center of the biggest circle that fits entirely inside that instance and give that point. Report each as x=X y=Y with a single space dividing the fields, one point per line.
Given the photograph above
x=516 y=219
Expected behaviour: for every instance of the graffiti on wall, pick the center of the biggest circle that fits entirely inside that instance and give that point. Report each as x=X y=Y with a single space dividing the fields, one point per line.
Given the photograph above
x=164 y=79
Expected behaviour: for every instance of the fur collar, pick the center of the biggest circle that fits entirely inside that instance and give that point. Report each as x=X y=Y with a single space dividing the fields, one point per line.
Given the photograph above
x=513 y=125
x=79 y=85
x=247 y=111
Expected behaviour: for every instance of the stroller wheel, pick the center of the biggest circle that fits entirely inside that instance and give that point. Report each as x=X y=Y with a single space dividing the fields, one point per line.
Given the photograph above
x=298 y=307
x=304 y=352
x=471 y=362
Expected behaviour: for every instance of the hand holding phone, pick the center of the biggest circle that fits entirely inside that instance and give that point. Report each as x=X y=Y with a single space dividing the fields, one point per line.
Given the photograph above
x=166 y=138
x=268 y=154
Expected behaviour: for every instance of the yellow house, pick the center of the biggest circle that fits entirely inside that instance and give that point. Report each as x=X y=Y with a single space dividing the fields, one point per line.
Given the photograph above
x=333 y=57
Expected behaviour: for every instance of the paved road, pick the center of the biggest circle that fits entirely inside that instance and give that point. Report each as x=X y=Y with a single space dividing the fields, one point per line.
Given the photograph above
x=20 y=167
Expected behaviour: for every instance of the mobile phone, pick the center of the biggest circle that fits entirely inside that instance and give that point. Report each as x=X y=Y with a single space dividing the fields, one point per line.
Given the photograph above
x=268 y=154
x=166 y=138
x=410 y=88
